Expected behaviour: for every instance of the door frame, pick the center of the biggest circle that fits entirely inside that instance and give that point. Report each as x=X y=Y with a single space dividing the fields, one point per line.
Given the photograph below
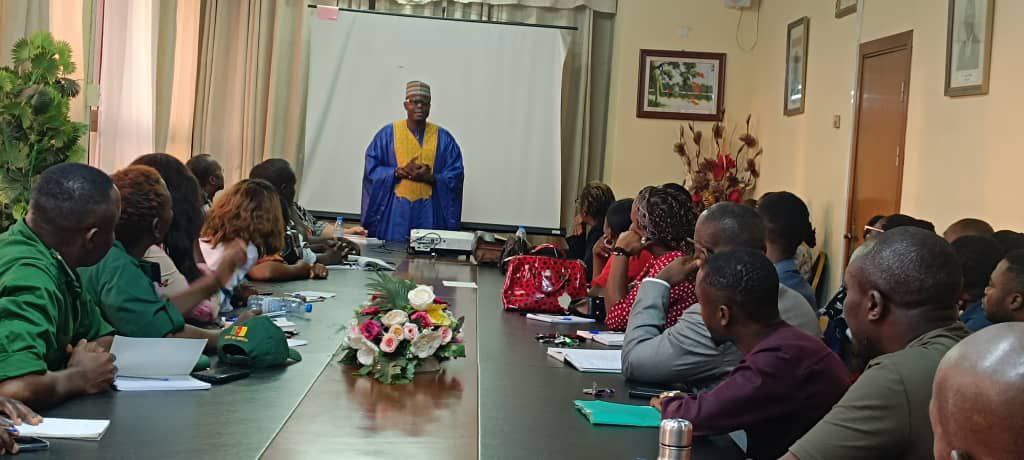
x=891 y=43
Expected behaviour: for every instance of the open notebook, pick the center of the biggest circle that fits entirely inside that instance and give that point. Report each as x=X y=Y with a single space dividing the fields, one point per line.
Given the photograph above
x=604 y=361
x=157 y=364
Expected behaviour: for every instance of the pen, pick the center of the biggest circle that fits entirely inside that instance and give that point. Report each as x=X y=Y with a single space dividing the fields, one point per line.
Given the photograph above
x=9 y=425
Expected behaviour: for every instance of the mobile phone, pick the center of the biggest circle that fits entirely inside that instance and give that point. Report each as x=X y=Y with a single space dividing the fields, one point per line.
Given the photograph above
x=30 y=444
x=646 y=392
x=222 y=375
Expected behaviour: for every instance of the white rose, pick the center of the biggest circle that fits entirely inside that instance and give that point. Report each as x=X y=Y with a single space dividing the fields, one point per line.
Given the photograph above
x=426 y=344
x=446 y=335
x=395 y=317
x=367 y=354
x=421 y=297
x=411 y=331
x=356 y=341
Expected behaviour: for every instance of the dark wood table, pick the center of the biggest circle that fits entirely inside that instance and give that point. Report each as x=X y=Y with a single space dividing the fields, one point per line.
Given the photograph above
x=505 y=400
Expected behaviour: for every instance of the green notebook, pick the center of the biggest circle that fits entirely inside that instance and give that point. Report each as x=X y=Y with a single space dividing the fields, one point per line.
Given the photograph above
x=606 y=413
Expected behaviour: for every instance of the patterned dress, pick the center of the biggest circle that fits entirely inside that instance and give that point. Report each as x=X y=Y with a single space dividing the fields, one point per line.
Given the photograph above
x=680 y=298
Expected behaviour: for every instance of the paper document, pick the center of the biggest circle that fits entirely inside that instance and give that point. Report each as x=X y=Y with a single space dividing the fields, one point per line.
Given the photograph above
x=156 y=357
x=66 y=428
x=284 y=324
x=296 y=342
x=564 y=319
x=557 y=353
x=460 y=284
x=605 y=361
x=609 y=413
x=612 y=339
x=181 y=382
x=312 y=296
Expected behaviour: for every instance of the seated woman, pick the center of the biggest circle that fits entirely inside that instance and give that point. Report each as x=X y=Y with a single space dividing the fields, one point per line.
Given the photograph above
x=615 y=223
x=787 y=224
x=249 y=214
x=663 y=225
x=304 y=240
x=124 y=285
x=591 y=207
x=178 y=254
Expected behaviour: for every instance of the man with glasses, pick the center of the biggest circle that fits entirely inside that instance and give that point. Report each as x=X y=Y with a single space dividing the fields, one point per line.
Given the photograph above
x=413 y=174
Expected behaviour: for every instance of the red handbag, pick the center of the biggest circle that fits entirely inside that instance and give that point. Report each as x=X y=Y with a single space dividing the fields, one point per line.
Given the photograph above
x=535 y=283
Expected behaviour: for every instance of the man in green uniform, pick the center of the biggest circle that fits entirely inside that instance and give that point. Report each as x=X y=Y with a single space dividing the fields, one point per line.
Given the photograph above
x=53 y=343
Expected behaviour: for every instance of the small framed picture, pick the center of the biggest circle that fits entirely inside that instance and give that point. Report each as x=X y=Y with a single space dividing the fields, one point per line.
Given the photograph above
x=968 y=47
x=796 y=67
x=681 y=85
x=845 y=8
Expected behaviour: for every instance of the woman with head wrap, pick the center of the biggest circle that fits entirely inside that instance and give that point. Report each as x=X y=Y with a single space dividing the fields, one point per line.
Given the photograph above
x=663 y=224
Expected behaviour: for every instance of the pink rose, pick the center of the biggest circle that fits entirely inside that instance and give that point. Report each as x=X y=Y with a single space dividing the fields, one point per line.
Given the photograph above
x=371 y=330
x=369 y=311
x=411 y=331
x=446 y=335
x=389 y=343
x=422 y=318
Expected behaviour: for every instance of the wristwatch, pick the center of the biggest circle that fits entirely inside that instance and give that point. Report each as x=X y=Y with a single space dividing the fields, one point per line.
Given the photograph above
x=619 y=251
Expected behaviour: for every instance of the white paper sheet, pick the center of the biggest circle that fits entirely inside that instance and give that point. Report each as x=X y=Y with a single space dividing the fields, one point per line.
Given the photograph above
x=460 y=284
x=562 y=319
x=137 y=357
x=66 y=428
x=296 y=342
x=181 y=382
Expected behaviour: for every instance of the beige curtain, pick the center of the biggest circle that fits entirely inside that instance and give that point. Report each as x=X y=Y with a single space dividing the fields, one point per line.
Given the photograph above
x=251 y=94
x=19 y=18
x=584 y=92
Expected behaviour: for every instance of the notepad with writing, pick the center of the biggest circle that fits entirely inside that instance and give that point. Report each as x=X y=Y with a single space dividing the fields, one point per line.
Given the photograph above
x=608 y=413
x=152 y=364
x=604 y=361
x=66 y=428
x=562 y=319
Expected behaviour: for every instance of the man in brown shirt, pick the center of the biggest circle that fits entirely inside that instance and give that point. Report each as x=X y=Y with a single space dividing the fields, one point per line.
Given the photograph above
x=902 y=290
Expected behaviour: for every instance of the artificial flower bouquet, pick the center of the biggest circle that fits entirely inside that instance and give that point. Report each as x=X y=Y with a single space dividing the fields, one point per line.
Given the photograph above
x=401 y=328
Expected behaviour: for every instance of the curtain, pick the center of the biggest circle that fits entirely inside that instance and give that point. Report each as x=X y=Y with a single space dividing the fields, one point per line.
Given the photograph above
x=149 y=50
x=20 y=18
x=251 y=94
x=584 y=92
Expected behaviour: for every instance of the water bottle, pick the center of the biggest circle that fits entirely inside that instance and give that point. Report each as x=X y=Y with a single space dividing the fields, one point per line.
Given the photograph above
x=308 y=311
x=521 y=233
x=674 y=437
x=274 y=306
x=339 y=227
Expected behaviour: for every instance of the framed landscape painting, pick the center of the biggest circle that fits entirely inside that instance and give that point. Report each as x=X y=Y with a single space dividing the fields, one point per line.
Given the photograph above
x=968 y=47
x=681 y=85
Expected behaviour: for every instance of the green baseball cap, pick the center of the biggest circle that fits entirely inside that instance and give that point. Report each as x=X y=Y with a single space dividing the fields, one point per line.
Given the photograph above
x=257 y=342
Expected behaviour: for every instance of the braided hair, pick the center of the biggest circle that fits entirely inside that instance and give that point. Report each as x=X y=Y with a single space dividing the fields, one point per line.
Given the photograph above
x=665 y=217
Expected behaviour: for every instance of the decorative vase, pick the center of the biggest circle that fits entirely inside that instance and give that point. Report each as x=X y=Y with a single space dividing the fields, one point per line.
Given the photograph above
x=428 y=365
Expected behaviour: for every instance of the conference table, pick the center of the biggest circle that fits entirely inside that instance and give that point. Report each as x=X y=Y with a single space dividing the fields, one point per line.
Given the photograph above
x=506 y=400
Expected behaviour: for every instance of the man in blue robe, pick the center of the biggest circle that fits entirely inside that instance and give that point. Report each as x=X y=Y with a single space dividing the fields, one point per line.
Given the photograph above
x=413 y=175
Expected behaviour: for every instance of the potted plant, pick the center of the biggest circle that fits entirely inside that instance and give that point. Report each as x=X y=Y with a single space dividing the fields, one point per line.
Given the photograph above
x=36 y=131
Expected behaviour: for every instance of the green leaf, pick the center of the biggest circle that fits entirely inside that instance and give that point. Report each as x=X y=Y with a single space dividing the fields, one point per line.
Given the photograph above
x=452 y=351
x=20 y=210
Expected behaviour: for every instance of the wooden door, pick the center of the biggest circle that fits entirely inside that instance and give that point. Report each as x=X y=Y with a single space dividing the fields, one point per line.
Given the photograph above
x=876 y=175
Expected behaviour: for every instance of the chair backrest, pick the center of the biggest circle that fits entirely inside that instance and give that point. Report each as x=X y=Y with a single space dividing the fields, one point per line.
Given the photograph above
x=818 y=272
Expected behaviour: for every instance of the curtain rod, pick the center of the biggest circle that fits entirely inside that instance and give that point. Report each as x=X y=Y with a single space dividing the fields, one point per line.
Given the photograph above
x=518 y=24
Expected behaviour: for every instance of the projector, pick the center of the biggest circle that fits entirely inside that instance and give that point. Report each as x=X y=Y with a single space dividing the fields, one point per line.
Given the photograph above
x=441 y=242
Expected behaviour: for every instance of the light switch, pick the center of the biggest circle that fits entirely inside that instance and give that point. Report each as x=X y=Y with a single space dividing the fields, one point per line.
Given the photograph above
x=835 y=121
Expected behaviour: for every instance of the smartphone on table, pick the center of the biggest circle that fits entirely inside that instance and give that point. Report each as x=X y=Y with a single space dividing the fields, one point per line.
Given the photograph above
x=30 y=444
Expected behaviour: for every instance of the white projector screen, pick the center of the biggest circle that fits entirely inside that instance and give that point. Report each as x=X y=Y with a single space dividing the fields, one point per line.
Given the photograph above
x=496 y=88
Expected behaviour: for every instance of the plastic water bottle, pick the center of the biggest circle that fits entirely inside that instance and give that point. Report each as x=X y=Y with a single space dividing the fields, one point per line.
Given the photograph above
x=271 y=305
x=339 y=227
x=521 y=233
x=308 y=311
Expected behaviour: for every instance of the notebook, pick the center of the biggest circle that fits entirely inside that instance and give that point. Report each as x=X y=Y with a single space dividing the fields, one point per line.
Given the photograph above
x=562 y=319
x=604 y=361
x=66 y=428
x=148 y=364
x=608 y=413
x=612 y=339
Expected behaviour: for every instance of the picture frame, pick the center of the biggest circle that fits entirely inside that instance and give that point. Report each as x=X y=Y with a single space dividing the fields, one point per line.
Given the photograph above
x=845 y=8
x=968 y=47
x=681 y=85
x=794 y=92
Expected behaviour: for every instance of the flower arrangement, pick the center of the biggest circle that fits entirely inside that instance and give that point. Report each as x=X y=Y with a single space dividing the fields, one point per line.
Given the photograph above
x=401 y=328
x=715 y=174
